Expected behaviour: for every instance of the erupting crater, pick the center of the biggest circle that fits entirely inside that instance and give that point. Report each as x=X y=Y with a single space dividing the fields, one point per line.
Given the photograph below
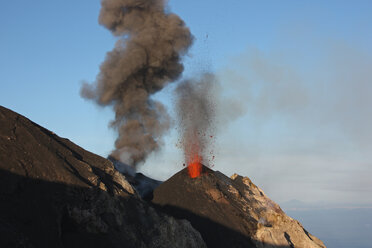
x=195 y=167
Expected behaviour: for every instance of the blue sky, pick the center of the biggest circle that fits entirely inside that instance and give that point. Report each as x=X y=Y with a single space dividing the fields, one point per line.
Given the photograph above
x=298 y=71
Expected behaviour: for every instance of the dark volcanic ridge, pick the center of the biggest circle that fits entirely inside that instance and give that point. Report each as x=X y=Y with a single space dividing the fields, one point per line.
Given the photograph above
x=53 y=193
x=230 y=212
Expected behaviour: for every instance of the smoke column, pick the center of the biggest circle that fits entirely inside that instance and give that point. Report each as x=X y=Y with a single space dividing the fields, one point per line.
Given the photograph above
x=196 y=110
x=146 y=57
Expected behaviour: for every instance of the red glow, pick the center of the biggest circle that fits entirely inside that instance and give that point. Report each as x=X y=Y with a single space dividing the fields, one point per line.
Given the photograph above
x=195 y=167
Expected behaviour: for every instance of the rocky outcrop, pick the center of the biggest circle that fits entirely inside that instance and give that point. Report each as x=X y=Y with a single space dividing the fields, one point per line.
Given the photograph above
x=55 y=194
x=230 y=212
x=144 y=185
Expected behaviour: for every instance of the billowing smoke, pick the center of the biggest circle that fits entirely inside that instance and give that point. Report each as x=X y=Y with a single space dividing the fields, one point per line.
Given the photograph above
x=146 y=57
x=196 y=110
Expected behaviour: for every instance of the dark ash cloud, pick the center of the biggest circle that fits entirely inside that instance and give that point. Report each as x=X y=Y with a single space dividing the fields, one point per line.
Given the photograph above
x=146 y=57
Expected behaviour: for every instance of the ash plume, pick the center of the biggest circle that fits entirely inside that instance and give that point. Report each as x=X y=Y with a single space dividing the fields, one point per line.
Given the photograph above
x=196 y=112
x=146 y=57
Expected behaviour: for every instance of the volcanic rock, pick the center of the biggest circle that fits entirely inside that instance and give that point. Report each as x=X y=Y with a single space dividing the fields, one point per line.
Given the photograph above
x=230 y=212
x=143 y=184
x=55 y=194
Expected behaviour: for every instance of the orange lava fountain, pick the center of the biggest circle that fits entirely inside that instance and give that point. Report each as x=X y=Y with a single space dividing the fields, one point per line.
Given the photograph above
x=196 y=116
x=193 y=157
x=195 y=167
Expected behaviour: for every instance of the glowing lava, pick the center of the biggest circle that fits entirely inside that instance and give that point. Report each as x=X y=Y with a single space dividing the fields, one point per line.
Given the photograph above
x=195 y=167
x=196 y=118
x=193 y=154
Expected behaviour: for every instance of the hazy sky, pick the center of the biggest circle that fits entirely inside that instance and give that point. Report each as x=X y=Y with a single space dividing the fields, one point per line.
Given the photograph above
x=295 y=79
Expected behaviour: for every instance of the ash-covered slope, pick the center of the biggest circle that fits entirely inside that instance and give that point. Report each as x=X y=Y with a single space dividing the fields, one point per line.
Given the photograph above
x=55 y=194
x=230 y=212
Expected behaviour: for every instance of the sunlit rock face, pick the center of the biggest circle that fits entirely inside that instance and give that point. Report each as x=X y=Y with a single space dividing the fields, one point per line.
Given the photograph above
x=53 y=193
x=230 y=212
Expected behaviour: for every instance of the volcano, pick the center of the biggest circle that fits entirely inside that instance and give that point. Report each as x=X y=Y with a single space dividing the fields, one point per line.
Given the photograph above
x=54 y=193
x=230 y=212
